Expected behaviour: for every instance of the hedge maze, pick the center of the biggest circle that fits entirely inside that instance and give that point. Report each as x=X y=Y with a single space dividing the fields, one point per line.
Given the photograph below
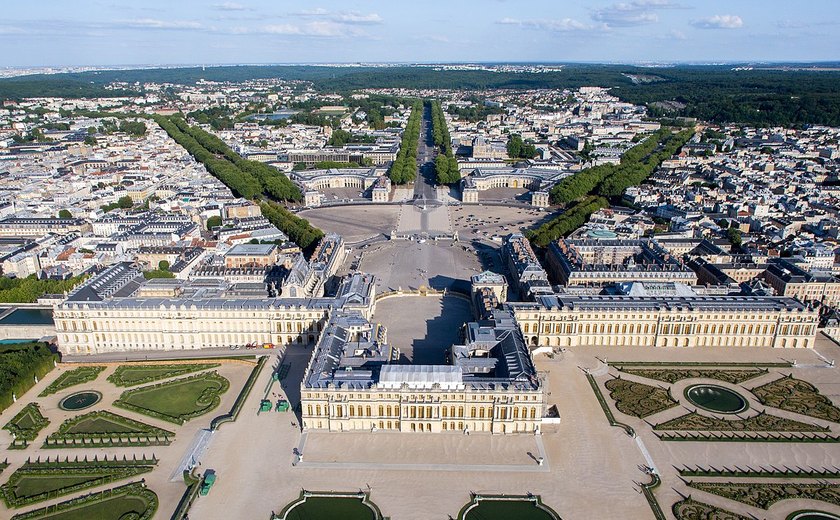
x=106 y=429
x=133 y=375
x=798 y=396
x=637 y=399
x=39 y=481
x=176 y=401
x=73 y=377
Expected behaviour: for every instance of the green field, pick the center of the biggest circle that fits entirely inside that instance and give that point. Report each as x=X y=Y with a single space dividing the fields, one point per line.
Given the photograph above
x=331 y=508
x=109 y=505
x=39 y=481
x=106 y=428
x=179 y=400
x=73 y=377
x=133 y=375
x=27 y=423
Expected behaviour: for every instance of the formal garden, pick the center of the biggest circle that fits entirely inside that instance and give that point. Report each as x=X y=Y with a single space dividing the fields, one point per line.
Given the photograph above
x=132 y=501
x=179 y=400
x=798 y=396
x=765 y=494
x=672 y=375
x=638 y=399
x=106 y=429
x=45 y=480
x=690 y=509
x=139 y=374
x=762 y=422
x=25 y=425
x=76 y=376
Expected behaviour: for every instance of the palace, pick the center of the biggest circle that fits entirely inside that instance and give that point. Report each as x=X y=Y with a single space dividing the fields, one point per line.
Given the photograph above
x=353 y=382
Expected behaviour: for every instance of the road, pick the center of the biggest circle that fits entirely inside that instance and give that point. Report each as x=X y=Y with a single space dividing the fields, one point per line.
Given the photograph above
x=424 y=185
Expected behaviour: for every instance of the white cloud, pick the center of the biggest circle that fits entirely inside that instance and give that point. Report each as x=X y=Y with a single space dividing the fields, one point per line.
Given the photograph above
x=558 y=25
x=719 y=21
x=322 y=29
x=629 y=14
x=230 y=6
x=343 y=17
x=153 y=23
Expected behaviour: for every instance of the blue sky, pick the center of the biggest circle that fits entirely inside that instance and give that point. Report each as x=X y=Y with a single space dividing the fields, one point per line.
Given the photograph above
x=92 y=32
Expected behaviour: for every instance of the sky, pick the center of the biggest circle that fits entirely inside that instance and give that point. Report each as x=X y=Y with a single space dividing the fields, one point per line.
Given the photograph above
x=155 y=32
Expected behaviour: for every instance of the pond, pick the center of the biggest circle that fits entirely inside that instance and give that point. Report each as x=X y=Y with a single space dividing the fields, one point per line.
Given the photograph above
x=812 y=515
x=28 y=317
x=716 y=398
x=80 y=400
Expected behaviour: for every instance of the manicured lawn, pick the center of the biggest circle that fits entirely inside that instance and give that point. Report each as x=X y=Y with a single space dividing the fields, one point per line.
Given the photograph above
x=30 y=485
x=133 y=375
x=73 y=377
x=506 y=510
x=178 y=400
x=27 y=423
x=112 y=504
x=108 y=428
x=109 y=509
x=331 y=508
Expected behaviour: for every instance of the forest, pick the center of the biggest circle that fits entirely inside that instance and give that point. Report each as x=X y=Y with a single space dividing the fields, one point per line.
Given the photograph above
x=718 y=93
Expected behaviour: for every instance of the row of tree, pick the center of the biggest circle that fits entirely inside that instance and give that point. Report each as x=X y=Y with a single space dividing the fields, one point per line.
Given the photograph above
x=568 y=221
x=446 y=166
x=404 y=168
x=588 y=188
x=245 y=178
x=299 y=230
x=611 y=180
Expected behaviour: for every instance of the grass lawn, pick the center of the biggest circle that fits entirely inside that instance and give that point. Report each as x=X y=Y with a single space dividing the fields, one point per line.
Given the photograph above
x=27 y=423
x=109 y=509
x=331 y=508
x=133 y=375
x=178 y=400
x=506 y=510
x=37 y=483
x=73 y=377
x=30 y=485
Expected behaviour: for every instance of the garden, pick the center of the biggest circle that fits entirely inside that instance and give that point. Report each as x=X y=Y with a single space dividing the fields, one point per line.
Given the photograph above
x=638 y=399
x=39 y=481
x=795 y=395
x=177 y=401
x=132 y=501
x=104 y=428
x=26 y=425
x=138 y=374
x=74 y=377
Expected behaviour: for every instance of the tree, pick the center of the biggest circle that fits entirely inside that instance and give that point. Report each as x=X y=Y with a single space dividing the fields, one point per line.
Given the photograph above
x=90 y=140
x=733 y=234
x=163 y=265
x=65 y=213
x=214 y=221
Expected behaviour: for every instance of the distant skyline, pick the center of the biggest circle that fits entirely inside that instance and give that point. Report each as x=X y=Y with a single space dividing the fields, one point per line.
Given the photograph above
x=154 y=32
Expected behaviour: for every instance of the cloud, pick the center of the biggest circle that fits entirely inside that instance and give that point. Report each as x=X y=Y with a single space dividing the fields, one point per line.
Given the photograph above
x=557 y=25
x=630 y=14
x=719 y=21
x=153 y=23
x=343 y=17
x=230 y=6
x=320 y=29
